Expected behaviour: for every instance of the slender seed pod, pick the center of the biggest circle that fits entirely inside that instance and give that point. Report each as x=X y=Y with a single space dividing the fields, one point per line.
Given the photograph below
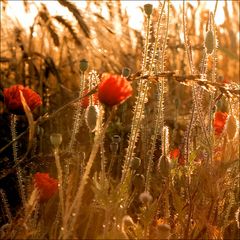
x=209 y=42
x=56 y=139
x=164 y=166
x=138 y=180
x=91 y=116
x=135 y=164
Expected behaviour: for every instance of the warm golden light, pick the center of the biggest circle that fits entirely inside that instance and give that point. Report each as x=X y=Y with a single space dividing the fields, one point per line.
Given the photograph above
x=15 y=9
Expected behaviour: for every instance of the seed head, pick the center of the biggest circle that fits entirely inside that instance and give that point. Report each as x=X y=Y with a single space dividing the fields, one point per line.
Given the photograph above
x=83 y=65
x=135 y=164
x=209 y=42
x=145 y=197
x=56 y=139
x=91 y=116
x=148 y=9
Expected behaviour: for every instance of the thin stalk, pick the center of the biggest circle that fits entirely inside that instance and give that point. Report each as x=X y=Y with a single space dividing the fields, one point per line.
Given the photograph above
x=159 y=120
x=60 y=182
x=5 y=205
x=138 y=110
x=15 y=157
x=76 y=205
x=156 y=38
x=77 y=114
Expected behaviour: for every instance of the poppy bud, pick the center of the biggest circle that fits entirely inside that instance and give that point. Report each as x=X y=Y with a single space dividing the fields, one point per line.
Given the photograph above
x=56 y=139
x=164 y=166
x=83 y=65
x=148 y=9
x=209 y=42
x=138 y=180
x=91 y=116
x=116 y=138
x=126 y=72
x=135 y=163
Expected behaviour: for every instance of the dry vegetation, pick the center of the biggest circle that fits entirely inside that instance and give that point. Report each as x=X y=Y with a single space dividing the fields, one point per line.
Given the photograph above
x=120 y=181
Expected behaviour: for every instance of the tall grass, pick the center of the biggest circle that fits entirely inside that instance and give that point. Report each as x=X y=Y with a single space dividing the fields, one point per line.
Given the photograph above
x=118 y=177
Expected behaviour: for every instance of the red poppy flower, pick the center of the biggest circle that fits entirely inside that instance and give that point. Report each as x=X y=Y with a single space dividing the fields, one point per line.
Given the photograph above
x=86 y=100
x=113 y=90
x=226 y=81
x=46 y=185
x=13 y=101
x=219 y=122
x=176 y=154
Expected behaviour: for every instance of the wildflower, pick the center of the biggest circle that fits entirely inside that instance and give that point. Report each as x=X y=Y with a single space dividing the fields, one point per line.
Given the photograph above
x=226 y=81
x=219 y=122
x=13 y=101
x=86 y=101
x=46 y=185
x=113 y=90
x=176 y=154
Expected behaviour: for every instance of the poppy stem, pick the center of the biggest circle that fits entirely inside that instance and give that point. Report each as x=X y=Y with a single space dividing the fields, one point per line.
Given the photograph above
x=60 y=182
x=15 y=157
x=77 y=115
